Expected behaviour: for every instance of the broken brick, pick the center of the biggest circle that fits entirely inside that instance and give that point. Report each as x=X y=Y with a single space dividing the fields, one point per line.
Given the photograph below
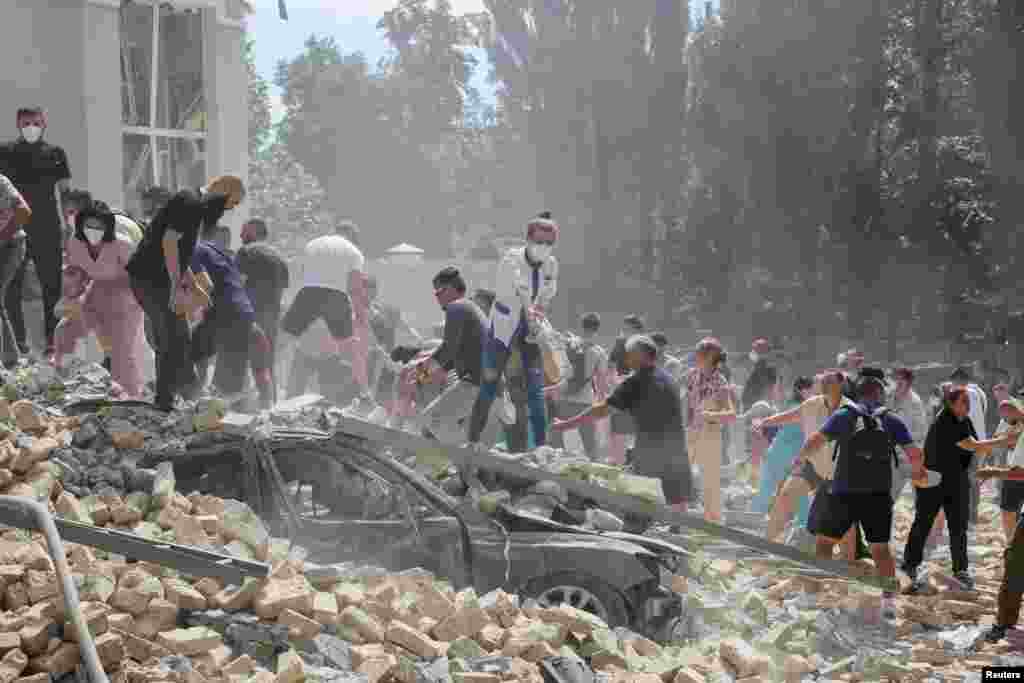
x=110 y=647
x=12 y=665
x=362 y=623
x=299 y=627
x=190 y=641
x=325 y=608
x=61 y=661
x=290 y=668
x=412 y=640
x=276 y=595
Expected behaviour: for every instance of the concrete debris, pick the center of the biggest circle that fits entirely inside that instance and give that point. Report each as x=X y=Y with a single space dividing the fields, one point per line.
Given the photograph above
x=112 y=467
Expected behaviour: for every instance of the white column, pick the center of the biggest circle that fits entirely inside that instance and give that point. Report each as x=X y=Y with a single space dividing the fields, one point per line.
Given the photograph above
x=227 y=105
x=101 y=171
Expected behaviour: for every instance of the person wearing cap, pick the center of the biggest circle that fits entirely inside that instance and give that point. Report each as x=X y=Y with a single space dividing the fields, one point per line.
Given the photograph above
x=950 y=446
x=709 y=406
x=526 y=284
x=651 y=396
x=849 y=500
x=762 y=377
x=1011 y=493
x=1011 y=589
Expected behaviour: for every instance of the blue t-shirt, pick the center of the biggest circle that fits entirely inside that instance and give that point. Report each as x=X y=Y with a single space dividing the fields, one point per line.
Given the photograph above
x=228 y=290
x=842 y=423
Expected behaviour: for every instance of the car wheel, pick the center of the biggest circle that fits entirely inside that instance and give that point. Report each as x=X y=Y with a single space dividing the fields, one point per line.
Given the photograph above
x=582 y=592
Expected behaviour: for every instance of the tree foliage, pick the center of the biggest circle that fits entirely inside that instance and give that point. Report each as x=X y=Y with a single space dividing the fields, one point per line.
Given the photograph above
x=280 y=190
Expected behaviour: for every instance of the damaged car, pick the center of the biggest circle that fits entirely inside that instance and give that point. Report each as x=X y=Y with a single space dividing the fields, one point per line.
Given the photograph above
x=389 y=515
x=358 y=505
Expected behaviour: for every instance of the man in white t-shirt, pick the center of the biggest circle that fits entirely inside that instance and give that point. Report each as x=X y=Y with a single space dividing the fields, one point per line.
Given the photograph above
x=324 y=270
x=579 y=393
x=906 y=404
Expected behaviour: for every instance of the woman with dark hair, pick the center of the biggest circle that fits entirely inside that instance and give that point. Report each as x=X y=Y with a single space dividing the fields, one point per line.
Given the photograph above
x=106 y=302
x=778 y=460
x=948 y=450
x=709 y=406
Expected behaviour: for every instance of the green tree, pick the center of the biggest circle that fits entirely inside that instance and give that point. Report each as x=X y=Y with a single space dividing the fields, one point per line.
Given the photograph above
x=280 y=190
x=259 y=103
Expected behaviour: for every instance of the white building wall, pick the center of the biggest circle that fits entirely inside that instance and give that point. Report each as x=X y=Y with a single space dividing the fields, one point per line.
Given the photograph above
x=101 y=164
x=41 y=51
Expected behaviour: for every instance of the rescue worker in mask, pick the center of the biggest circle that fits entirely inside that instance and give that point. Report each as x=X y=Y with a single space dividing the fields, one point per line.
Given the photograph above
x=40 y=172
x=162 y=279
x=526 y=284
x=107 y=305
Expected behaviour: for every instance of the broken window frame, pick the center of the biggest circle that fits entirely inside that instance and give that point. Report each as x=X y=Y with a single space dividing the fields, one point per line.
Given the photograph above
x=160 y=163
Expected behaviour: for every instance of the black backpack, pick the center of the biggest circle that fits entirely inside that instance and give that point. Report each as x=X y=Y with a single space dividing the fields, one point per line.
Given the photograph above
x=576 y=350
x=864 y=460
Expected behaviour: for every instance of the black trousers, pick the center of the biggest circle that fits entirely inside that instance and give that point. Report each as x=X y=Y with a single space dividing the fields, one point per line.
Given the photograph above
x=175 y=371
x=954 y=498
x=233 y=359
x=47 y=254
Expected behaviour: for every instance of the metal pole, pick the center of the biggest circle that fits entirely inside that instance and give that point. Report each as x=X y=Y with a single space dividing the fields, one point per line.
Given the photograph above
x=154 y=75
x=28 y=514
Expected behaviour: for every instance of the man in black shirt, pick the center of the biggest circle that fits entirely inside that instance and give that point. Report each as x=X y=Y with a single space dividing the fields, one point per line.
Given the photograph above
x=461 y=353
x=652 y=398
x=161 y=278
x=40 y=172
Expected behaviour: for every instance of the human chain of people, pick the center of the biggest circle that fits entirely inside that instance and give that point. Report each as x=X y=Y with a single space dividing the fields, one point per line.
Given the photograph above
x=831 y=454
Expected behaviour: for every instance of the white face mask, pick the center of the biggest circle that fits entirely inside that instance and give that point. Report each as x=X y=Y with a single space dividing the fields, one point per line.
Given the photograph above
x=94 y=235
x=540 y=252
x=32 y=133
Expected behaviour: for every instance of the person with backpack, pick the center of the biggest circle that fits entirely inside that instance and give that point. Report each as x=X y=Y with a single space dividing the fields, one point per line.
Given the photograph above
x=949 y=449
x=583 y=387
x=864 y=435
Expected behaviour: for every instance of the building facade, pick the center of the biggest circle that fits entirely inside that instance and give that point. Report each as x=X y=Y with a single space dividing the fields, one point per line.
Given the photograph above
x=138 y=92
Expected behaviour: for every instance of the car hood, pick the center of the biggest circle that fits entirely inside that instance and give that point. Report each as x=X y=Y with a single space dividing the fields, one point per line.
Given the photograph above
x=530 y=522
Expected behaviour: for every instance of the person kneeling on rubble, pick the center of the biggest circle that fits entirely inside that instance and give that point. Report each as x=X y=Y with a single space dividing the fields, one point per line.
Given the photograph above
x=652 y=398
x=861 y=489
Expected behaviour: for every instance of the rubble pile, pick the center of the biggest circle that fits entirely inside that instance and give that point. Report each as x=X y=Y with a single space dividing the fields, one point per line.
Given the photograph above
x=742 y=620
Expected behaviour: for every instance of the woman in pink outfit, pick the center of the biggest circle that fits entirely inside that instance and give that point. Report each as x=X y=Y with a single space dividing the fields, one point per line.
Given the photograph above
x=115 y=315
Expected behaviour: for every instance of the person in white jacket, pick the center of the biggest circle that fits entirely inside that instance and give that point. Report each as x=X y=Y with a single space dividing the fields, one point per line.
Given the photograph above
x=526 y=283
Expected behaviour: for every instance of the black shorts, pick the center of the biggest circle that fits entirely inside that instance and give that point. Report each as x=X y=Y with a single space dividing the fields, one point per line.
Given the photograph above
x=332 y=305
x=836 y=513
x=1011 y=495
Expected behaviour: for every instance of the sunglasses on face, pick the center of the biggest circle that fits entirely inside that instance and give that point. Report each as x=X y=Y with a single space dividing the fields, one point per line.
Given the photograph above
x=549 y=243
